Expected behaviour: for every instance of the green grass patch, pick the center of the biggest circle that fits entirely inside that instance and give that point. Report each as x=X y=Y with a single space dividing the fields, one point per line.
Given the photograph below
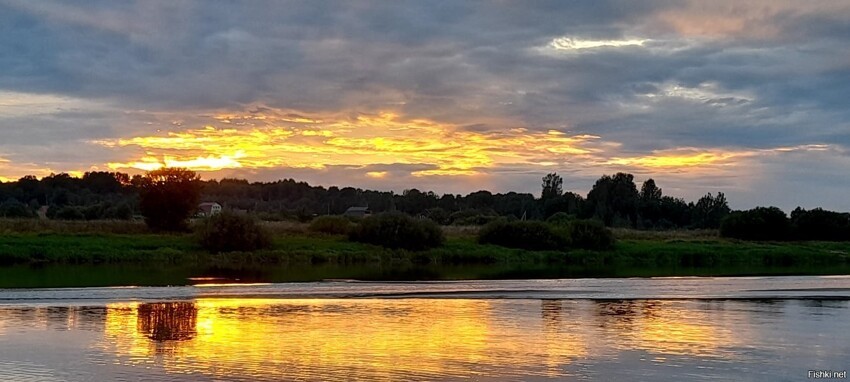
x=55 y=248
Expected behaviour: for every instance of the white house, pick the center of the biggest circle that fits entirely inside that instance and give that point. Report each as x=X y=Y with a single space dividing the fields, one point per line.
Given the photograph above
x=207 y=209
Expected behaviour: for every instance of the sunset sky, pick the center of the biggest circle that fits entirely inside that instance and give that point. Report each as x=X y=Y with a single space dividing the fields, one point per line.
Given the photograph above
x=751 y=98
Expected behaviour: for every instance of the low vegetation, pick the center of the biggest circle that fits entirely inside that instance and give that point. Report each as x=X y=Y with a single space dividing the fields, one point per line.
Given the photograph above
x=229 y=232
x=531 y=235
x=397 y=230
x=558 y=236
x=680 y=255
x=331 y=225
x=589 y=234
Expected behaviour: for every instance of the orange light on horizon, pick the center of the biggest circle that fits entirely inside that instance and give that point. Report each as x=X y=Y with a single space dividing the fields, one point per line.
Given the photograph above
x=365 y=140
x=661 y=160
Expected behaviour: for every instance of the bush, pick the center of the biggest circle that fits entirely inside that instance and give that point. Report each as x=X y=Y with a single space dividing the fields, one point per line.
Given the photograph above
x=760 y=223
x=532 y=235
x=227 y=232
x=396 y=230
x=590 y=234
x=12 y=208
x=560 y=219
x=331 y=224
x=472 y=217
x=69 y=213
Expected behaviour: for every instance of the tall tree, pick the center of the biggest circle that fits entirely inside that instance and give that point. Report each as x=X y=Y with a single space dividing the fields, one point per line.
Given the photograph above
x=168 y=197
x=710 y=210
x=552 y=186
x=614 y=199
x=649 y=192
x=649 y=205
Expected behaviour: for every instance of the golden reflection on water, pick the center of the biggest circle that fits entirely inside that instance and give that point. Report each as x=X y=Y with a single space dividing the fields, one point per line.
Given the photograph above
x=397 y=339
x=665 y=327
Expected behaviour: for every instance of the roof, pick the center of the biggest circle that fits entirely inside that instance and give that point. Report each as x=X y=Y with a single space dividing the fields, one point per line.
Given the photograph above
x=357 y=209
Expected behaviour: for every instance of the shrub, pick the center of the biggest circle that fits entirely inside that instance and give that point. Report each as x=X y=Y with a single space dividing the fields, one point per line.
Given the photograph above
x=397 y=230
x=532 y=235
x=70 y=213
x=12 y=208
x=760 y=223
x=227 y=232
x=473 y=217
x=331 y=224
x=560 y=219
x=590 y=234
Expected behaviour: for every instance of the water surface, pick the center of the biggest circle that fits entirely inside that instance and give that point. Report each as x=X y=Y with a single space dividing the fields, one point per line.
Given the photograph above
x=768 y=328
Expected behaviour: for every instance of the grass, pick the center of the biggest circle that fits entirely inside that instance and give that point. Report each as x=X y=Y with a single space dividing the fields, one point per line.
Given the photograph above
x=39 y=242
x=12 y=226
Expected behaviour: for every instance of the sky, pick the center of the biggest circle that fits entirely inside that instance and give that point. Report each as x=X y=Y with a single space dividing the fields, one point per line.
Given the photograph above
x=746 y=98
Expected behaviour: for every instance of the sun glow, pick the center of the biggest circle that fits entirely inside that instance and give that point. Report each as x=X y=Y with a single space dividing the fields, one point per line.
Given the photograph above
x=384 y=138
x=685 y=160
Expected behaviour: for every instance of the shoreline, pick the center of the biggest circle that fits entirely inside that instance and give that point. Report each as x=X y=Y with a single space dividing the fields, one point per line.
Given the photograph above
x=66 y=259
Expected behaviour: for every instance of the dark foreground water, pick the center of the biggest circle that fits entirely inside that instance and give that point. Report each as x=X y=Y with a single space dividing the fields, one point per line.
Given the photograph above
x=667 y=329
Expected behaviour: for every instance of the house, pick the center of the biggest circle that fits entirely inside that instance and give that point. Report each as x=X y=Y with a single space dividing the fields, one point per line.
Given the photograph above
x=357 y=212
x=207 y=209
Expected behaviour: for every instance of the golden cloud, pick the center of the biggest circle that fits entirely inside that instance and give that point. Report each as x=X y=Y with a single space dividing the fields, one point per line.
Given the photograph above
x=278 y=139
x=360 y=141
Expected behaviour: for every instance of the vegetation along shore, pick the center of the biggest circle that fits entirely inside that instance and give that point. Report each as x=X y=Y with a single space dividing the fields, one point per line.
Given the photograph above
x=616 y=230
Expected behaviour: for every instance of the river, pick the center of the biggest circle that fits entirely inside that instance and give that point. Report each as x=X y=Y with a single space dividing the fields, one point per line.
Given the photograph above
x=651 y=329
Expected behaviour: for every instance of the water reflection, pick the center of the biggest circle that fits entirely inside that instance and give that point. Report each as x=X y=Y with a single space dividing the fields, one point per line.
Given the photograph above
x=423 y=339
x=669 y=327
x=167 y=321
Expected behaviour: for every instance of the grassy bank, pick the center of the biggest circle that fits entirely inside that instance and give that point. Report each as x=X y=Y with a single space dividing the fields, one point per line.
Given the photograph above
x=296 y=247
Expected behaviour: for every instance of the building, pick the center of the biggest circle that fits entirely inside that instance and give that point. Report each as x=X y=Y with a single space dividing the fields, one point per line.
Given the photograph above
x=357 y=212
x=208 y=209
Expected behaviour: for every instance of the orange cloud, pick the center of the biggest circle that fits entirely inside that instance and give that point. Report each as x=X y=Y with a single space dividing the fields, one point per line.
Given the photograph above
x=360 y=141
x=679 y=159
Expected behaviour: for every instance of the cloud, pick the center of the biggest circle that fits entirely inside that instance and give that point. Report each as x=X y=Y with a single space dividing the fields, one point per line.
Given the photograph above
x=474 y=89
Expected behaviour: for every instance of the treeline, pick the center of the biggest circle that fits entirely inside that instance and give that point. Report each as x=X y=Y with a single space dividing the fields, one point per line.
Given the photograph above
x=615 y=200
x=771 y=223
x=97 y=195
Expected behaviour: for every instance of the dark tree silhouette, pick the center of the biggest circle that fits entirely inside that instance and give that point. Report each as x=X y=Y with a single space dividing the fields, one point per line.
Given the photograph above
x=552 y=186
x=168 y=197
x=710 y=210
x=649 y=192
x=614 y=199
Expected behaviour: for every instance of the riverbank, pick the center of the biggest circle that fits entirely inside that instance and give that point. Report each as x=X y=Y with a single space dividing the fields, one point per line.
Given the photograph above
x=299 y=248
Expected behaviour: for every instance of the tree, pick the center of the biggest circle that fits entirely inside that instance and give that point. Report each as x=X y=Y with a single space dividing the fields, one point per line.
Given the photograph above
x=614 y=199
x=649 y=205
x=760 y=223
x=649 y=192
x=710 y=210
x=168 y=197
x=820 y=224
x=552 y=186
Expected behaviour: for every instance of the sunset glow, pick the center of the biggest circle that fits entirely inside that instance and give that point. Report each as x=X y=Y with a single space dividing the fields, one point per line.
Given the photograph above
x=367 y=139
x=437 y=98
